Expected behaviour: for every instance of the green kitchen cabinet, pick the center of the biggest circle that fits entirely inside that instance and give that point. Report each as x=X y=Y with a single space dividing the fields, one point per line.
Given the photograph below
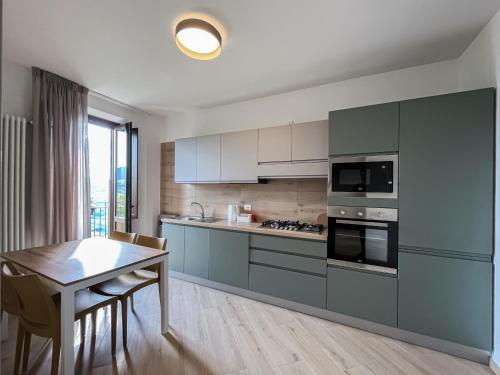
x=446 y=162
x=370 y=129
x=196 y=252
x=363 y=295
x=175 y=245
x=294 y=286
x=288 y=261
x=228 y=261
x=289 y=245
x=446 y=298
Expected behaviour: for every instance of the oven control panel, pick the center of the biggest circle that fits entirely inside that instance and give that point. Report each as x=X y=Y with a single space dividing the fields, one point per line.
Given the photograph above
x=363 y=213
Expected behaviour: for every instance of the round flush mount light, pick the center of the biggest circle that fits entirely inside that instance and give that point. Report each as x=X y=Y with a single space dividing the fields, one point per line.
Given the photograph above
x=198 y=39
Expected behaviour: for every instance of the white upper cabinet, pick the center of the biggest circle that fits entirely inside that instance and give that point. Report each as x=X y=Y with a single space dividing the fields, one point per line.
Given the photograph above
x=208 y=158
x=275 y=144
x=239 y=156
x=185 y=160
x=310 y=141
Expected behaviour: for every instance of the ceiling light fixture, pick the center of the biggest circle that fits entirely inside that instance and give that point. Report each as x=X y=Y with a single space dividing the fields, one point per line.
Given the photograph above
x=198 y=39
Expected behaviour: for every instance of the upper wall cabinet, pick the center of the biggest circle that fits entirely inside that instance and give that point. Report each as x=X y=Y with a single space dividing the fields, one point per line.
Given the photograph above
x=185 y=160
x=310 y=141
x=447 y=172
x=275 y=144
x=208 y=158
x=364 y=130
x=239 y=156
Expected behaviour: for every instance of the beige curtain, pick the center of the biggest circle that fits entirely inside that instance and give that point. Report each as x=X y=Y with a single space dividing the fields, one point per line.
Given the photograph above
x=60 y=191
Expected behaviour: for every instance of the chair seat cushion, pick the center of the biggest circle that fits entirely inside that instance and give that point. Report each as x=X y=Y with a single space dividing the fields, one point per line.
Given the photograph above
x=126 y=284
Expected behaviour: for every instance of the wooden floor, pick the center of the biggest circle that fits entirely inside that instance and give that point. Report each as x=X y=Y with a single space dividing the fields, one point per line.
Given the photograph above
x=219 y=333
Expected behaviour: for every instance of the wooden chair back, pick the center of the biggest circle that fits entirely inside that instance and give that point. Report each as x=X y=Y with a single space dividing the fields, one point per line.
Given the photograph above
x=123 y=236
x=9 y=298
x=153 y=242
x=37 y=310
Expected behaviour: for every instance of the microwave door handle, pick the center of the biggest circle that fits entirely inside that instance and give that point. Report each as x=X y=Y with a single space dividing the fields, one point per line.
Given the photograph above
x=364 y=223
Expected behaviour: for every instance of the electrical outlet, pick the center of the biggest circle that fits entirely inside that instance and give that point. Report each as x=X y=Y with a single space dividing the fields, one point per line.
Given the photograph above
x=247 y=207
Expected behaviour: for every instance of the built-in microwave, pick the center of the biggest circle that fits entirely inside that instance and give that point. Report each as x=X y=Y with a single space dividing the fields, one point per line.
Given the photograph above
x=363 y=235
x=370 y=176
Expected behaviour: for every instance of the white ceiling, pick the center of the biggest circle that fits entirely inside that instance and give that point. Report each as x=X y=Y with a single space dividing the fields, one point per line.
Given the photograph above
x=125 y=48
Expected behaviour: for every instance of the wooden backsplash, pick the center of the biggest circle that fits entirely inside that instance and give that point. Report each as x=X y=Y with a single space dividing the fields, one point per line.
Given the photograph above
x=301 y=199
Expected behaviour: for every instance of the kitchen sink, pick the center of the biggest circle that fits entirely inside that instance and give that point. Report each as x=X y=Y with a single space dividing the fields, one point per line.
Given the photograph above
x=199 y=219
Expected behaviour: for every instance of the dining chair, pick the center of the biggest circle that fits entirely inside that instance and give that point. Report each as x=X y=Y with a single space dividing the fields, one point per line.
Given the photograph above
x=124 y=286
x=9 y=298
x=39 y=313
x=123 y=236
x=10 y=304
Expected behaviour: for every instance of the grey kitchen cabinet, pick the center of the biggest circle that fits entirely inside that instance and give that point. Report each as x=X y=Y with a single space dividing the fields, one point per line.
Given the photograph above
x=175 y=245
x=446 y=298
x=294 y=286
x=292 y=262
x=208 y=158
x=239 y=156
x=363 y=295
x=310 y=141
x=289 y=245
x=196 y=251
x=185 y=160
x=275 y=144
x=228 y=260
x=370 y=129
x=447 y=172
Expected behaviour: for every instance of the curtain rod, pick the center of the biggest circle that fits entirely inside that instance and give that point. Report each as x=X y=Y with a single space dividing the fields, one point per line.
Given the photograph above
x=121 y=104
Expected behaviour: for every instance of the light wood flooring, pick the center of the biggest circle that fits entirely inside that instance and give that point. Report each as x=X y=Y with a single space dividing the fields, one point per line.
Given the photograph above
x=219 y=333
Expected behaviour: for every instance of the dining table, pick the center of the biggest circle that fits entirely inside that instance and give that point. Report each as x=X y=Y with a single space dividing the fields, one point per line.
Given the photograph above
x=70 y=266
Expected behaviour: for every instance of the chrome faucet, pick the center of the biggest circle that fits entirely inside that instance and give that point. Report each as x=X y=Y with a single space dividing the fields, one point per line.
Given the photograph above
x=202 y=210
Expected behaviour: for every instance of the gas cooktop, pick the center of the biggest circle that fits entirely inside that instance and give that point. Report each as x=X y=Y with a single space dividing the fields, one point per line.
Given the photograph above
x=292 y=226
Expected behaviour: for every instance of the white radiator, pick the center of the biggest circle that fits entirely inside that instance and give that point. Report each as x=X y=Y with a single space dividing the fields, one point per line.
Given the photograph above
x=13 y=132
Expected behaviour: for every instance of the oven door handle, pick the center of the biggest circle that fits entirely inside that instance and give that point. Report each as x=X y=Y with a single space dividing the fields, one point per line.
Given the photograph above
x=363 y=223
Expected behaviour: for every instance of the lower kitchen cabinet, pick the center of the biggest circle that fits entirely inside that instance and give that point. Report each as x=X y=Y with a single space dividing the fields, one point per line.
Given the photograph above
x=196 y=252
x=290 y=285
x=363 y=295
x=228 y=261
x=446 y=298
x=175 y=246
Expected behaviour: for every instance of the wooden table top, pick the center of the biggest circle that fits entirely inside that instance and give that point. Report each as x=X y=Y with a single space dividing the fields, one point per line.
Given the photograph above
x=70 y=262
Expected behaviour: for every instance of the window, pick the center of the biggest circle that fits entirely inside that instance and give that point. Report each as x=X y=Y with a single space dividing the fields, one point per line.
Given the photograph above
x=113 y=154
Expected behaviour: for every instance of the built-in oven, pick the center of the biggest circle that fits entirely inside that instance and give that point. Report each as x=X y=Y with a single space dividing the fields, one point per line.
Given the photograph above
x=363 y=235
x=370 y=176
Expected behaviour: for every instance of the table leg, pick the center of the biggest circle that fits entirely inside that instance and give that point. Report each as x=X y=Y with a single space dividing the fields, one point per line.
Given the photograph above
x=164 y=295
x=67 y=331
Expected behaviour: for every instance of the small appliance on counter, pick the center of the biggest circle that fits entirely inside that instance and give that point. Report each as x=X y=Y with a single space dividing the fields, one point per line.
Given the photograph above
x=292 y=226
x=245 y=218
x=363 y=235
x=233 y=210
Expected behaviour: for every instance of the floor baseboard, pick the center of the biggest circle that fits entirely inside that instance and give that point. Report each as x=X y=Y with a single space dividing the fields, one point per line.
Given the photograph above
x=494 y=366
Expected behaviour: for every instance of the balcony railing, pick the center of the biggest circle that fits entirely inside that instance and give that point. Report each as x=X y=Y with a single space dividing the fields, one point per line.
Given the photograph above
x=99 y=219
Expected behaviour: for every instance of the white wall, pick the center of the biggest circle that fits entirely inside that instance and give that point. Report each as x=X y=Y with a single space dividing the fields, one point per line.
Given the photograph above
x=16 y=90
x=315 y=103
x=479 y=67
